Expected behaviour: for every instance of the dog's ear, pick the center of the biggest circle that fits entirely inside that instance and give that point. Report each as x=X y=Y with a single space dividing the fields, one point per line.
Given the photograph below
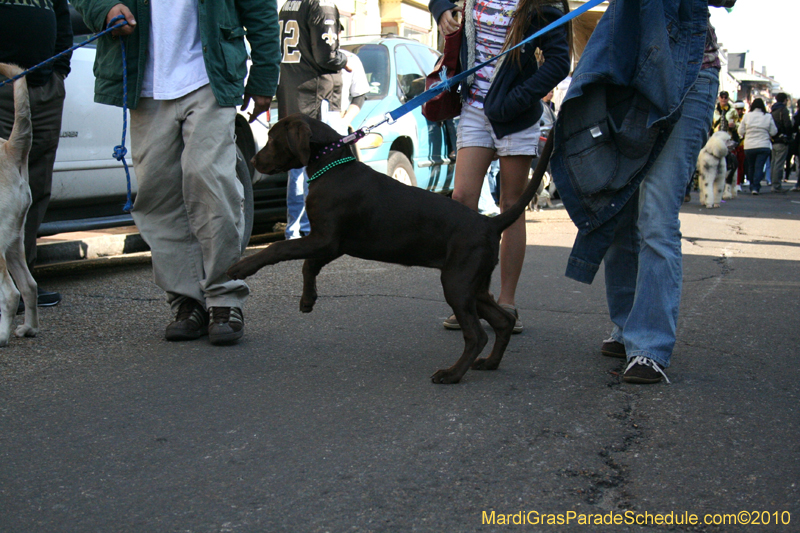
x=298 y=138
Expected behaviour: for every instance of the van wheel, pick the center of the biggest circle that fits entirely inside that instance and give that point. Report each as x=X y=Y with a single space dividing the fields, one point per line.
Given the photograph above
x=244 y=177
x=399 y=168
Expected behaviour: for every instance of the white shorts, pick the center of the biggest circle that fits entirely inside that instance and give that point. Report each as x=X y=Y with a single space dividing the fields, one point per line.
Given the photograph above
x=475 y=130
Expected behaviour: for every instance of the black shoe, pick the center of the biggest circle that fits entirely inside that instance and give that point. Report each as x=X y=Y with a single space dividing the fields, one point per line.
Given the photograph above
x=226 y=325
x=190 y=323
x=644 y=371
x=612 y=348
x=43 y=299
x=47 y=298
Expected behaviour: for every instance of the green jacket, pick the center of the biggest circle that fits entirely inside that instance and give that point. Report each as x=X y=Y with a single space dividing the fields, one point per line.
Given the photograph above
x=222 y=31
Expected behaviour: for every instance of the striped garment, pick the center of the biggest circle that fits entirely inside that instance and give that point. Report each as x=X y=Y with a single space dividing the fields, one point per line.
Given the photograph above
x=492 y=21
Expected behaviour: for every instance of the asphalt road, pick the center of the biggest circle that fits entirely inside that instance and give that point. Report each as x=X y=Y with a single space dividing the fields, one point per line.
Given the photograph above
x=329 y=421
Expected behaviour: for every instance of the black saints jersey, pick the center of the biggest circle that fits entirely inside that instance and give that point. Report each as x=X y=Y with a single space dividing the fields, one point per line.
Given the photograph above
x=311 y=61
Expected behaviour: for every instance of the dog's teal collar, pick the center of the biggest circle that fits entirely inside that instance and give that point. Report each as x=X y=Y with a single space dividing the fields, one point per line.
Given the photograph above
x=329 y=166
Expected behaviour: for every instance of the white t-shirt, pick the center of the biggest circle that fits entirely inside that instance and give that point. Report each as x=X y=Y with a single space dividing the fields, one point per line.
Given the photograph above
x=174 y=65
x=354 y=83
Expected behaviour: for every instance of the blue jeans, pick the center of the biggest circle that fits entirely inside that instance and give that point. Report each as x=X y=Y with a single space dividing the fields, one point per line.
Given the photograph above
x=644 y=265
x=755 y=160
x=296 y=192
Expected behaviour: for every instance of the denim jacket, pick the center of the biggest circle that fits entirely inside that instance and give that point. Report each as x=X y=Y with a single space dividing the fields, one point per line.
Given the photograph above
x=625 y=96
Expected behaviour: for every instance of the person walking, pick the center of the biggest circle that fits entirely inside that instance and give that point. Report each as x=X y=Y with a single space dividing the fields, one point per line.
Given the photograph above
x=794 y=144
x=502 y=108
x=739 y=150
x=30 y=33
x=626 y=198
x=724 y=113
x=780 y=141
x=756 y=128
x=187 y=64
x=309 y=80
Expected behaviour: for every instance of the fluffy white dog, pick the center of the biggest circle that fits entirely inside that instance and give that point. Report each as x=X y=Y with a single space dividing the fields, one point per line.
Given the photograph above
x=711 y=169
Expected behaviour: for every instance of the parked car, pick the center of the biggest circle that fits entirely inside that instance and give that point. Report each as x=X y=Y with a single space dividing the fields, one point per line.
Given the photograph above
x=413 y=150
x=89 y=185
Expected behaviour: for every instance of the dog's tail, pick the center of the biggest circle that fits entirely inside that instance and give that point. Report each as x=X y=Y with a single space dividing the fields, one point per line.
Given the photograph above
x=509 y=216
x=19 y=141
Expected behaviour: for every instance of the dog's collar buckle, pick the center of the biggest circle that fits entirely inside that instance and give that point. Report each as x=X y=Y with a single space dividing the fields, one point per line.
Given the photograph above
x=329 y=166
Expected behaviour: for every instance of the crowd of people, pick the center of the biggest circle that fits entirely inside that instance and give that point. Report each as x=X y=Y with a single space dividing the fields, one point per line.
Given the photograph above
x=764 y=143
x=188 y=71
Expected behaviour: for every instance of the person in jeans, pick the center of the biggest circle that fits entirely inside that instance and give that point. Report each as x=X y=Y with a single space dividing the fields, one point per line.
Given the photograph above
x=757 y=127
x=29 y=34
x=625 y=200
x=187 y=63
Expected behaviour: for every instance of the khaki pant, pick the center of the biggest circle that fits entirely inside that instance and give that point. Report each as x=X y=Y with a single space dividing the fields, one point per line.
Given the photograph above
x=189 y=208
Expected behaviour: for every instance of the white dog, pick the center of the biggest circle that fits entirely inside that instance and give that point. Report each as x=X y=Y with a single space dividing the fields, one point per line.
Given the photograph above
x=15 y=199
x=711 y=169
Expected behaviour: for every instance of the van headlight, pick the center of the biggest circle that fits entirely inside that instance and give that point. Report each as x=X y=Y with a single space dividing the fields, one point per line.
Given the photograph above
x=371 y=140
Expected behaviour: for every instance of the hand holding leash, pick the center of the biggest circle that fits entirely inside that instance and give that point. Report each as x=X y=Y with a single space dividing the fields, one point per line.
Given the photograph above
x=121 y=10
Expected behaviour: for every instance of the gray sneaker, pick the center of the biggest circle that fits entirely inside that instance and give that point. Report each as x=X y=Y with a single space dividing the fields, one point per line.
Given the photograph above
x=226 y=325
x=451 y=323
x=513 y=310
x=190 y=323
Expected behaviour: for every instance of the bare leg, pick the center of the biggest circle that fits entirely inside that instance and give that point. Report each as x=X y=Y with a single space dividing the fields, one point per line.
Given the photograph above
x=471 y=166
x=514 y=172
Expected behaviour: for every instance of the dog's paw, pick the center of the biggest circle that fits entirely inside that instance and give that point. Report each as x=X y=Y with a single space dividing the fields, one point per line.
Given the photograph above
x=445 y=376
x=26 y=331
x=484 y=363
x=306 y=306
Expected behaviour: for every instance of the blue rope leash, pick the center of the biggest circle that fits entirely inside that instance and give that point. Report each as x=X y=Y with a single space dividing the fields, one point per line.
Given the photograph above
x=119 y=151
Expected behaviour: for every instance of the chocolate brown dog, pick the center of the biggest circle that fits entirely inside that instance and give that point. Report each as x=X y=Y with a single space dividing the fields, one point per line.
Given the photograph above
x=357 y=211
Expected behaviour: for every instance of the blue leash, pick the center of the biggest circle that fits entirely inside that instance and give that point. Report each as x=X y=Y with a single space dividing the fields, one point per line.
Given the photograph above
x=448 y=83
x=119 y=151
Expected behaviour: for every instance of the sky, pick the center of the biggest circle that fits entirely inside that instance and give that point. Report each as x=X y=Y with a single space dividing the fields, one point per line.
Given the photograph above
x=767 y=28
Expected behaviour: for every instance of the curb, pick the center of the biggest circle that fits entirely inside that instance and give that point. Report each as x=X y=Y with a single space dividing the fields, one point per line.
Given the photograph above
x=84 y=245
